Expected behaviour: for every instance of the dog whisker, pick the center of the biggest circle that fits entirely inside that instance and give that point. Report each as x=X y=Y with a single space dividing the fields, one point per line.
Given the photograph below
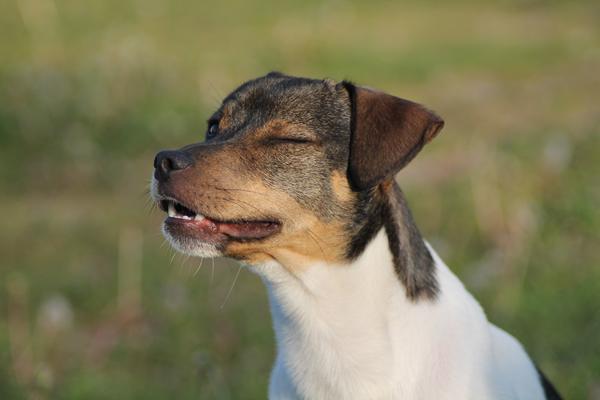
x=240 y=190
x=149 y=203
x=214 y=94
x=232 y=286
x=199 y=267
x=241 y=204
x=172 y=258
x=265 y=197
x=315 y=239
x=150 y=206
x=184 y=261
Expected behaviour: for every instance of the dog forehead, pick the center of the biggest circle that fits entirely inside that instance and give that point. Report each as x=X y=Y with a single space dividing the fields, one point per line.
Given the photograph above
x=308 y=101
x=275 y=86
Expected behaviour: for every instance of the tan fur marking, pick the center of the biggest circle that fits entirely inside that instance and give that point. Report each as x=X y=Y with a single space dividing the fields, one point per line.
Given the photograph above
x=341 y=188
x=226 y=195
x=222 y=187
x=304 y=238
x=225 y=121
x=280 y=128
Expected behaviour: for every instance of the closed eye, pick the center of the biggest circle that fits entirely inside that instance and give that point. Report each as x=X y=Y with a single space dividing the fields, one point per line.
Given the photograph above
x=287 y=140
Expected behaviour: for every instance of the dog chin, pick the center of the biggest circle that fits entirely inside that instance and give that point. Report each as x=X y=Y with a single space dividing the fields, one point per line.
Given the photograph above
x=192 y=247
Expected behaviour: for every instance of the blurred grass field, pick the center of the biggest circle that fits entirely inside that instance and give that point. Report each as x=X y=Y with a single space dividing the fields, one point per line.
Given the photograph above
x=92 y=306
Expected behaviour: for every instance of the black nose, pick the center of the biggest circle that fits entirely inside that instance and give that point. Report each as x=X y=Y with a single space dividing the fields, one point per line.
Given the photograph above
x=166 y=162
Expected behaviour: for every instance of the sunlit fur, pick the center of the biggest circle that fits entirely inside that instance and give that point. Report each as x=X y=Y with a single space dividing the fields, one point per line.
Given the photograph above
x=184 y=245
x=349 y=332
x=362 y=309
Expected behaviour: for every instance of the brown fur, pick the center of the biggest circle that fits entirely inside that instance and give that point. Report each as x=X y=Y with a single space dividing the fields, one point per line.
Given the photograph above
x=388 y=132
x=224 y=193
x=309 y=156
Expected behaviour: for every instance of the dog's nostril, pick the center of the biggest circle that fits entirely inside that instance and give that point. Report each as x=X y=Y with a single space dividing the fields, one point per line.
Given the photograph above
x=166 y=162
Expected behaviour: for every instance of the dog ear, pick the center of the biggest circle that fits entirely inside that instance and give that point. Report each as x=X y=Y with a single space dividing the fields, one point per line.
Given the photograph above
x=386 y=133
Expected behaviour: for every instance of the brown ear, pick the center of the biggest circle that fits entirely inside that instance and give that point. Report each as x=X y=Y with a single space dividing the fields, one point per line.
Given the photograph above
x=386 y=133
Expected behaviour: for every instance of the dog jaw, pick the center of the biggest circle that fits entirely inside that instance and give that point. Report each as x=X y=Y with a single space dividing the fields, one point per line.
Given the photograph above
x=191 y=247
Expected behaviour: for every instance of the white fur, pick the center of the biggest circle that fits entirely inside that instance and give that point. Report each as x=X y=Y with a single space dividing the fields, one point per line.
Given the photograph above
x=349 y=332
x=192 y=247
x=187 y=246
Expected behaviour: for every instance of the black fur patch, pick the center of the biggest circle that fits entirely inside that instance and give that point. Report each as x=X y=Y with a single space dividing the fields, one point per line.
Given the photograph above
x=413 y=262
x=367 y=221
x=549 y=389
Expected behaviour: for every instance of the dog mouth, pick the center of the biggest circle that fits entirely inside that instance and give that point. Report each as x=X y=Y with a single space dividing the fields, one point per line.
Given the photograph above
x=184 y=221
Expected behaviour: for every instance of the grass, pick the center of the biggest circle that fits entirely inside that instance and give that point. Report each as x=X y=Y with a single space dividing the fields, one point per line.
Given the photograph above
x=91 y=304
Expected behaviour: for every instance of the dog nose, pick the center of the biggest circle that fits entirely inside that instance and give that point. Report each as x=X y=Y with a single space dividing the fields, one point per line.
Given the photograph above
x=166 y=162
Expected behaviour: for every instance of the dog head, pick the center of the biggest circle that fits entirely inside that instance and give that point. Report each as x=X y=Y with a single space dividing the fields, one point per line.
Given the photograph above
x=291 y=169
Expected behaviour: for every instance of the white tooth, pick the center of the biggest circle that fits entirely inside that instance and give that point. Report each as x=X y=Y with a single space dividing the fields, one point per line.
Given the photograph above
x=199 y=217
x=171 y=210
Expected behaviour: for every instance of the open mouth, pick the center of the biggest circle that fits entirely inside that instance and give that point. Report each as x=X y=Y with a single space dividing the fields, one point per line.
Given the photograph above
x=185 y=221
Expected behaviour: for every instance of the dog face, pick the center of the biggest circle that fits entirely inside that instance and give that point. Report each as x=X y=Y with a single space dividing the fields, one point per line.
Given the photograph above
x=289 y=170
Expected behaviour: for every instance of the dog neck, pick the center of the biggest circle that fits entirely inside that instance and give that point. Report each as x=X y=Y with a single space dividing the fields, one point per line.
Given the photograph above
x=343 y=320
x=334 y=319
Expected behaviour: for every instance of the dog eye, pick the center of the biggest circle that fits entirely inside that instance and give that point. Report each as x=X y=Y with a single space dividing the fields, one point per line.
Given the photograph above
x=213 y=129
x=288 y=140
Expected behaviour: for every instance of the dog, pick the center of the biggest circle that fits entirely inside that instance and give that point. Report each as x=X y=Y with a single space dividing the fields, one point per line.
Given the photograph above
x=295 y=179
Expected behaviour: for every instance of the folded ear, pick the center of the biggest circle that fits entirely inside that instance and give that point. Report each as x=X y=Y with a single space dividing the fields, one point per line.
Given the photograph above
x=386 y=133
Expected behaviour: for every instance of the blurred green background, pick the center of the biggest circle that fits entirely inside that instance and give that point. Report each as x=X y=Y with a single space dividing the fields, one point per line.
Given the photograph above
x=92 y=306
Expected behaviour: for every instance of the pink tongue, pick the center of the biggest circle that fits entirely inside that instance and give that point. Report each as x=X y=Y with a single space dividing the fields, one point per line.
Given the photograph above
x=206 y=225
x=242 y=230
